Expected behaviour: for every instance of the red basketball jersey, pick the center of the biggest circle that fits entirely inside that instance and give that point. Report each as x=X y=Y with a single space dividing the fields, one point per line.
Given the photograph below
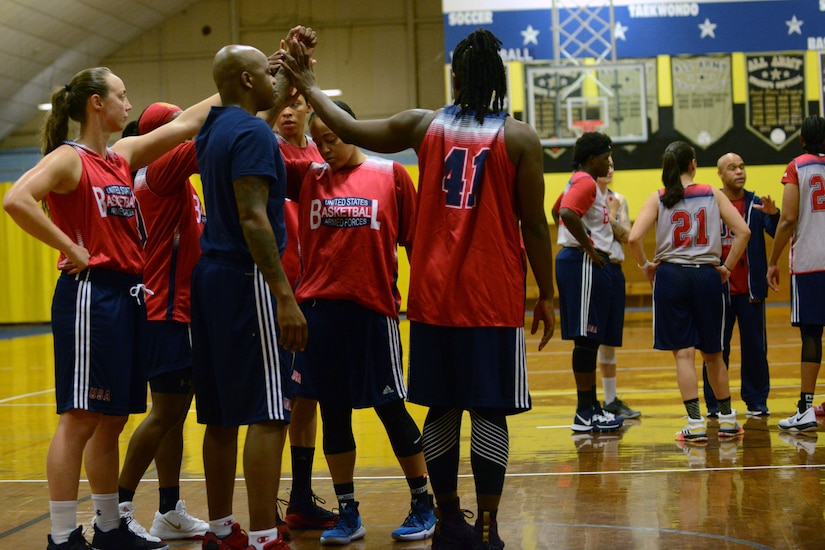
x=102 y=213
x=291 y=259
x=174 y=220
x=351 y=222
x=468 y=266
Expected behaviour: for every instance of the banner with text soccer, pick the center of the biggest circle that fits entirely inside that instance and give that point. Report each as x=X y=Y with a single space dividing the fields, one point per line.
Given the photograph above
x=645 y=28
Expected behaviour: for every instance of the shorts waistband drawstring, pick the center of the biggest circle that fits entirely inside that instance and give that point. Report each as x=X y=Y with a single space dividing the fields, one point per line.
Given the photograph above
x=139 y=289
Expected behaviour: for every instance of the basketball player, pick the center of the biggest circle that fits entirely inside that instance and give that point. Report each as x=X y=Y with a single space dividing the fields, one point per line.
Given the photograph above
x=585 y=278
x=801 y=219
x=303 y=511
x=354 y=211
x=688 y=297
x=245 y=320
x=481 y=180
x=98 y=311
x=174 y=219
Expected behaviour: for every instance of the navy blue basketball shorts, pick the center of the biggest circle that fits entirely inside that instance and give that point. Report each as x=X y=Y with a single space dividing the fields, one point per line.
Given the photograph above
x=240 y=372
x=468 y=368
x=97 y=324
x=353 y=356
x=168 y=348
x=614 y=326
x=585 y=301
x=689 y=307
x=808 y=299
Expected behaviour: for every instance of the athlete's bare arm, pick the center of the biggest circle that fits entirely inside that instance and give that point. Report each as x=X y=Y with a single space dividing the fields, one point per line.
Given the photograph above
x=784 y=230
x=251 y=193
x=401 y=131
x=524 y=149
x=57 y=172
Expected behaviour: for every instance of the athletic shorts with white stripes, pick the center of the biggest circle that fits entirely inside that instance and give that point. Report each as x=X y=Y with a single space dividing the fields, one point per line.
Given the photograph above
x=97 y=321
x=240 y=372
x=353 y=356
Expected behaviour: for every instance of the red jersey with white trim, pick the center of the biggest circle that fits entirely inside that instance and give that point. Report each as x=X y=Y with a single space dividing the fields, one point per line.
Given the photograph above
x=174 y=218
x=468 y=266
x=807 y=253
x=291 y=258
x=583 y=196
x=350 y=224
x=102 y=214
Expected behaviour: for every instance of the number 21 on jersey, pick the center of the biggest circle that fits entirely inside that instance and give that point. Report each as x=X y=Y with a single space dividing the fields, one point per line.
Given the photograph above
x=462 y=176
x=689 y=230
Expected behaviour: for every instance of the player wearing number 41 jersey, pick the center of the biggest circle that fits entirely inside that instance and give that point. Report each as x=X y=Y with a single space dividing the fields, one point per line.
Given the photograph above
x=688 y=292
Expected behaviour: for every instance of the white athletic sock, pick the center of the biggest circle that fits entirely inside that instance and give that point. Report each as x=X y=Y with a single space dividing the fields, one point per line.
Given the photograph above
x=222 y=527
x=259 y=538
x=609 y=385
x=106 y=511
x=63 y=515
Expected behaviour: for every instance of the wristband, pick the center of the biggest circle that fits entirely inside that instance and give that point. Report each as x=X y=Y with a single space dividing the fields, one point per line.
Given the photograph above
x=645 y=265
x=726 y=267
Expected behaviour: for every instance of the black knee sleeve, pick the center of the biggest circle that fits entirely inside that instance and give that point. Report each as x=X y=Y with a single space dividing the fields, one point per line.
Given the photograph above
x=811 y=343
x=585 y=353
x=337 y=429
x=405 y=437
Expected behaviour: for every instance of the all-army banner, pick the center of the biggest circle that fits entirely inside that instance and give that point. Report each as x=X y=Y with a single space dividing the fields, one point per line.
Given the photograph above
x=775 y=104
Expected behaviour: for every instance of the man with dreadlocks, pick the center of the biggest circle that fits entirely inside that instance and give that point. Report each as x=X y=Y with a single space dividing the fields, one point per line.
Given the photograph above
x=481 y=180
x=803 y=219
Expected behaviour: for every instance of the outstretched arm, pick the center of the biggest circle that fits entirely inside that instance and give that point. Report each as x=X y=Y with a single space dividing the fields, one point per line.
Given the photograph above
x=401 y=131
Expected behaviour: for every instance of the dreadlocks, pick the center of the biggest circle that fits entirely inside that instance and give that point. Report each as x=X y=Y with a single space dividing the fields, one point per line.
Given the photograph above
x=480 y=72
x=813 y=135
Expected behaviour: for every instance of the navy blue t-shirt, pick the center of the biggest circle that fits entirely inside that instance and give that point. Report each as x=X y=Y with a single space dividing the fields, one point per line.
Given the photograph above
x=232 y=144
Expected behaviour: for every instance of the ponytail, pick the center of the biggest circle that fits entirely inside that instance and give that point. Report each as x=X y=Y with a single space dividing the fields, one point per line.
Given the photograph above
x=675 y=162
x=69 y=103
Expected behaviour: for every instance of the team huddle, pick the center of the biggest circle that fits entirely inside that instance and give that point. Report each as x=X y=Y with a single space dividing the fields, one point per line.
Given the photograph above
x=281 y=288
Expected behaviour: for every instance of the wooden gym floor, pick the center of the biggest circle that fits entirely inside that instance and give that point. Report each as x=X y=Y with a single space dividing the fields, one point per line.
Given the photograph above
x=634 y=489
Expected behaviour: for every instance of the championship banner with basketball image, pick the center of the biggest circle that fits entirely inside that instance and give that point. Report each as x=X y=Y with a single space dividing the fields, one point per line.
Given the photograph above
x=702 y=98
x=775 y=104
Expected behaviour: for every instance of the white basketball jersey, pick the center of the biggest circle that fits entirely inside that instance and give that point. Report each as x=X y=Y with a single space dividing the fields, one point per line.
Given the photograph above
x=689 y=232
x=807 y=253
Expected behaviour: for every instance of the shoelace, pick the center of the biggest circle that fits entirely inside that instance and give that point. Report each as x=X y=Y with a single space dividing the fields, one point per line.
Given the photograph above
x=139 y=289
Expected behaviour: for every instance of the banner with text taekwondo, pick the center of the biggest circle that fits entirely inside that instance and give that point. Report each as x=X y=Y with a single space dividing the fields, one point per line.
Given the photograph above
x=646 y=28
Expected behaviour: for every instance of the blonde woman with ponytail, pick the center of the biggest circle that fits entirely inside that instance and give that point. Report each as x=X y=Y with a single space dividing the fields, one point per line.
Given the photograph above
x=98 y=308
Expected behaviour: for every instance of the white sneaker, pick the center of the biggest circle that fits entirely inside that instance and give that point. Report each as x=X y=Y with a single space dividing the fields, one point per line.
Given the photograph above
x=177 y=524
x=728 y=426
x=127 y=510
x=800 y=422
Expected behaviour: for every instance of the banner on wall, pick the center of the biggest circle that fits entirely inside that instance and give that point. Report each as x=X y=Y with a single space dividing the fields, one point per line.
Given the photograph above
x=775 y=105
x=643 y=28
x=702 y=98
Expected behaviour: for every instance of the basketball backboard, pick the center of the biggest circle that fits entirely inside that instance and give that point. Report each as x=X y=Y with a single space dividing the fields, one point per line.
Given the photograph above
x=564 y=101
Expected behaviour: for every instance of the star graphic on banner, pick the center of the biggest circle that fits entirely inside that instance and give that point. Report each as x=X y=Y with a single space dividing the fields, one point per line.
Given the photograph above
x=619 y=31
x=794 y=26
x=776 y=74
x=707 y=29
x=530 y=35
